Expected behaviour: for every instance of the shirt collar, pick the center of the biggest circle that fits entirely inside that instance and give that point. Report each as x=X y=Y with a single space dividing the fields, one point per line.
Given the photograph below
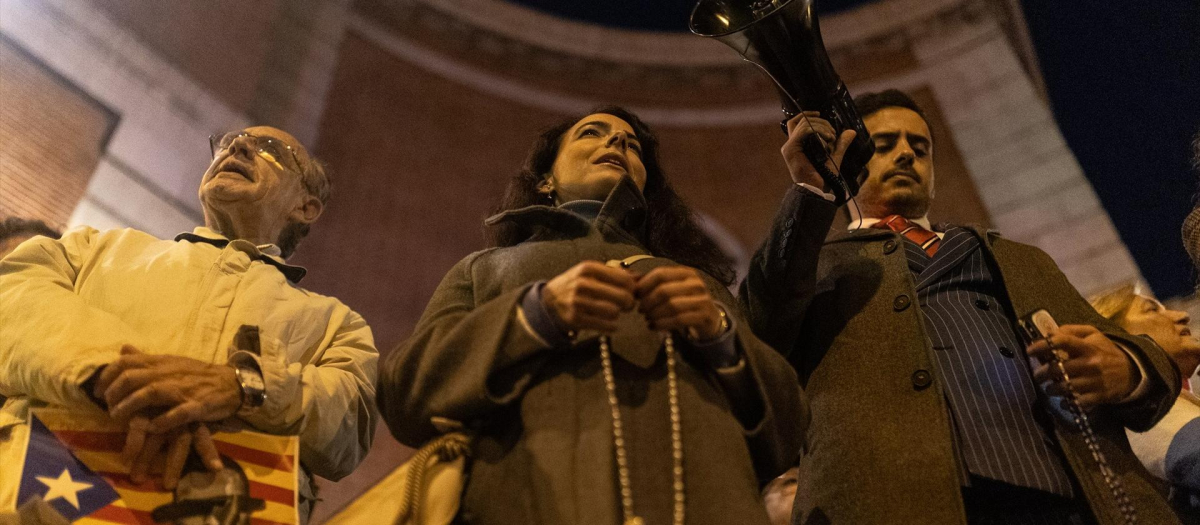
x=867 y=222
x=268 y=253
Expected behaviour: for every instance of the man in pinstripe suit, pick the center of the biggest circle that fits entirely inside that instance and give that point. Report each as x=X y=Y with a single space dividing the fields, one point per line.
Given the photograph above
x=926 y=407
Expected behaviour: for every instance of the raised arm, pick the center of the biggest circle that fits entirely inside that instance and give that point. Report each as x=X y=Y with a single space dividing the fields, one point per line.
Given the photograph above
x=781 y=280
x=782 y=276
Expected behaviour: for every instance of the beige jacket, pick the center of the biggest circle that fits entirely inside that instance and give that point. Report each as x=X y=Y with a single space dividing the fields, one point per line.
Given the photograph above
x=67 y=307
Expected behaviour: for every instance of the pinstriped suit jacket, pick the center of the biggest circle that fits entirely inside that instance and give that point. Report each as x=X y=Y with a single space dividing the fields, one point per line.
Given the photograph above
x=880 y=447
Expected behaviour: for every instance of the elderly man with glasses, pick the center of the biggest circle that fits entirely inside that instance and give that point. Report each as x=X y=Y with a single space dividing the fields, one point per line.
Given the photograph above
x=175 y=336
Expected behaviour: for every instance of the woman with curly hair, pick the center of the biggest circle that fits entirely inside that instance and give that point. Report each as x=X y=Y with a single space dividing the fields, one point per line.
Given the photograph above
x=595 y=352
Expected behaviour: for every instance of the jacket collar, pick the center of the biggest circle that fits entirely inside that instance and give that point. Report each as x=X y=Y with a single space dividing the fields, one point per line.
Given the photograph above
x=867 y=222
x=623 y=214
x=268 y=253
x=988 y=236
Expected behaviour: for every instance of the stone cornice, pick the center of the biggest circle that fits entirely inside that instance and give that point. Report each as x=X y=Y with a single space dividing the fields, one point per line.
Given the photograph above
x=545 y=61
x=528 y=38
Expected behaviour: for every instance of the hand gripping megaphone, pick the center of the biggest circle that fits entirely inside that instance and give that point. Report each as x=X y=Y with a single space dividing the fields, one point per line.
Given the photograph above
x=783 y=38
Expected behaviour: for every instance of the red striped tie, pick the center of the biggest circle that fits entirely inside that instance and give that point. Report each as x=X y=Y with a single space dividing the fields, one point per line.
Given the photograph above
x=926 y=239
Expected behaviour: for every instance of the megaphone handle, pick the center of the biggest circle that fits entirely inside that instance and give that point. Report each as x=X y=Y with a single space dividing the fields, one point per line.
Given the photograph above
x=818 y=156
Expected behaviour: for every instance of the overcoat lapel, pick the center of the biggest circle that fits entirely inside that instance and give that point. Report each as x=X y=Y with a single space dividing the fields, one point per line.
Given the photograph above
x=956 y=247
x=860 y=235
x=1013 y=269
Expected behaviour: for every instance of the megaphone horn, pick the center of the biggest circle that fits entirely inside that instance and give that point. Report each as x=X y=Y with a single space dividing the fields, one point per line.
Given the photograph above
x=783 y=38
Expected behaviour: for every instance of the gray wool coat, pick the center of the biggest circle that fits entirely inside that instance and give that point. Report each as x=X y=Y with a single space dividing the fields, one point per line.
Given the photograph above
x=544 y=451
x=880 y=449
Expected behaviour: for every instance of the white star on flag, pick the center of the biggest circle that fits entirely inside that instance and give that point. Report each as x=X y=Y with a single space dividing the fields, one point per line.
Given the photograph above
x=64 y=487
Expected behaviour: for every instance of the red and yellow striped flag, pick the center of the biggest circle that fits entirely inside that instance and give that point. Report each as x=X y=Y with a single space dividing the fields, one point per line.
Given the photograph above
x=95 y=487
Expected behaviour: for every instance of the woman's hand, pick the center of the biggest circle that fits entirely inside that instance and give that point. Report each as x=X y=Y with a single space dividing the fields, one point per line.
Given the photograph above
x=590 y=296
x=676 y=298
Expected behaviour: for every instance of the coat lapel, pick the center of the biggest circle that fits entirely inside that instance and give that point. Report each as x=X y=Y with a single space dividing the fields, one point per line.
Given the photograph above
x=959 y=244
x=918 y=260
x=860 y=235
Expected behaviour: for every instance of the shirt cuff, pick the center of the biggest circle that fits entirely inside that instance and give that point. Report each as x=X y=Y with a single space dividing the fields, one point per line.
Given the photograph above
x=1143 y=384
x=826 y=195
x=539 y=322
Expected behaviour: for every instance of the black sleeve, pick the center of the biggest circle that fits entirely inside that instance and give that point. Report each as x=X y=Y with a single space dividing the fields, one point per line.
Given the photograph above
x=782 y=276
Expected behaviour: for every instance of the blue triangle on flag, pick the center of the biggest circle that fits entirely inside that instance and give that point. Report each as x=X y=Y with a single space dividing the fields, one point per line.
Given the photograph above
x=51 y=472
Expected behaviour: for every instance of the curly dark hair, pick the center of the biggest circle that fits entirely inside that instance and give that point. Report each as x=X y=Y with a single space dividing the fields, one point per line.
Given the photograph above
x=672 y=230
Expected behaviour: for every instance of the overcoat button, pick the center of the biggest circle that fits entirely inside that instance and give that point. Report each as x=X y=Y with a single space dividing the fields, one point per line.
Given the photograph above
x=889 y=246
x=982 y=304
x=1006 y=351
x=789 y=222
x=902 y=301
x=921 y=379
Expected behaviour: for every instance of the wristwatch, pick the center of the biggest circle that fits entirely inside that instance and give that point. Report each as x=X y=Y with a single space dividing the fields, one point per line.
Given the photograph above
x=254 y=392
x=694 y=337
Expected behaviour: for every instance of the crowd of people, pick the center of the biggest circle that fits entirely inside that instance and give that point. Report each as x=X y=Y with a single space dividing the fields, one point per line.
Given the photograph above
x=603 y=369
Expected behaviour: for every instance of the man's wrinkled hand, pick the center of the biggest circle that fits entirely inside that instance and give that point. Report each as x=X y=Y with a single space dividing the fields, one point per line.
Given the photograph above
x=149 y=454
x=1101 y=372
x=186 y=390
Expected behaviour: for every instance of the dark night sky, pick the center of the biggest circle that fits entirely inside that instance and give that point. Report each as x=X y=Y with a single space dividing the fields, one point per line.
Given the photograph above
x=1124 y=83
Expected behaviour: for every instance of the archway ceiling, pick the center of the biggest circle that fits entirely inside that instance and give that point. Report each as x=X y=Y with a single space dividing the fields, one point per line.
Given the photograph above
x=658 y=15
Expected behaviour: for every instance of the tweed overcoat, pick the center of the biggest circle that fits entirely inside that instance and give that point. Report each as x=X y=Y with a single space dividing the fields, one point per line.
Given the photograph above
x=544 y=451
x=880 y=447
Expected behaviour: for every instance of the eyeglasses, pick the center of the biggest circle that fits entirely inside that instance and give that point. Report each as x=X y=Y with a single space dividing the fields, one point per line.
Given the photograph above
x=273 y=150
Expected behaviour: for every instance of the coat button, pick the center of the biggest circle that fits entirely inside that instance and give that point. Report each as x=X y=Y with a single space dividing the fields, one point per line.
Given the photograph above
x=1006 y=351
x=902 y=301
x=789 y=222
x=889 y=246
x=921 y=379
x=982 y=304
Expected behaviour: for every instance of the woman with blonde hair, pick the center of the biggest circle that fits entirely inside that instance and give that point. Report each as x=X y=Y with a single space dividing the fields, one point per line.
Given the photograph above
x=1170 y=450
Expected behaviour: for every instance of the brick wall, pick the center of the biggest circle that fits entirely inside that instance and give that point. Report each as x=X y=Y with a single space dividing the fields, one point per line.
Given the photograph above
x=53 y=136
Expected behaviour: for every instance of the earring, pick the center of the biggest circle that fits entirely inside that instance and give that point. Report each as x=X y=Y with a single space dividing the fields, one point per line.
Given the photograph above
x=549 y=187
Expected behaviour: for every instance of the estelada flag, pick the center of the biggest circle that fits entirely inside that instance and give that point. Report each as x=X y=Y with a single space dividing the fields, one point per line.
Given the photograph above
x=73 y=462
